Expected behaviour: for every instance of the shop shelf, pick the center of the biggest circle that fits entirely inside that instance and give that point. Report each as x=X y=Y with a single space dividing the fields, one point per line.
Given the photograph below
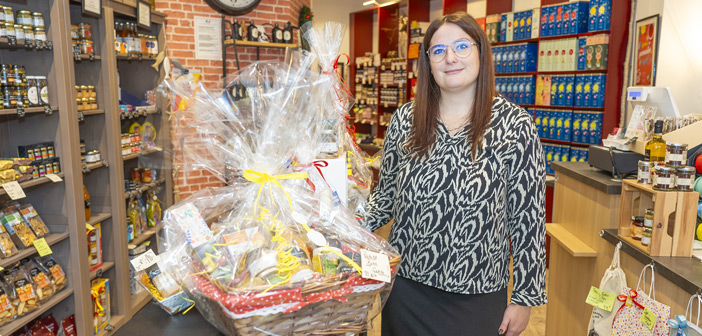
x=5 y=44
x=570 y=108
x=571 y=72
x=515 y=42
x=116 y=321
x=143 y=188
x=32 y=183
x=574 y=246
x=106 y=265
x=558 y=37
x=126 y=57
x=27 y=110
x=84 y=57
x=93 y=112
x=51 y=239
x=87 y=168
x=230 y=42
x=515 y=73
x=144 y=236
x=99 y=217
x=22 y=321
x=143 y=152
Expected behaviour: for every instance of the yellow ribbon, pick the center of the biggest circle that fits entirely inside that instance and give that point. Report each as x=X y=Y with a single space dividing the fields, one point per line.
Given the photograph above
x=96 y=294
x=263 y=179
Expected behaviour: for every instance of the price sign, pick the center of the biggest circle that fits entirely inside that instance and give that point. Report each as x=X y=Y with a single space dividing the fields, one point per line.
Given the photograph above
x=648 y=318
x=144 y=261
x=601 y=299
x=375 y=266
x=144 y=14
x=54 y=178
x=42 y=247
x=14 y=190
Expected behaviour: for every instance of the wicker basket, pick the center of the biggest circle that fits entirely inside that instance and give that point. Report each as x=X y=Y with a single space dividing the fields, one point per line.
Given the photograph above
x=320 y=318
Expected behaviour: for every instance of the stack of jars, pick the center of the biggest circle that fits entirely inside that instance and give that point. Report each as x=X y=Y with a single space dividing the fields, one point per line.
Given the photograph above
x=28 y=26
x=82 y=37
x=128 y=41
x=86 y=98
x=20 y=90
x=131 y=143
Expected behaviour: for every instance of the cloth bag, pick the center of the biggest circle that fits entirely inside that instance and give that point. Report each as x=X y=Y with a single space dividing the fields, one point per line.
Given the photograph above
x=682 y=325
x=627 y=320
x=613 y=281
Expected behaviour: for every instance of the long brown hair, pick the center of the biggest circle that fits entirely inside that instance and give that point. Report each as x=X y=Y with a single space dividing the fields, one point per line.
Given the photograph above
x=428 y=94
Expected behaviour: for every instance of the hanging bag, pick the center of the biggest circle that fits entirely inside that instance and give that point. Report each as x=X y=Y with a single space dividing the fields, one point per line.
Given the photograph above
x=637 y=304
x=613 y=281
x=682 y=325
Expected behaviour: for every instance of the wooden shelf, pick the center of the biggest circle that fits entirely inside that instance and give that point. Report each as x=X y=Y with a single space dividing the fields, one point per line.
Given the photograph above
x=570 y=108
x=32 y=183
x=93 y=166
x=558 y=37
x=574 y=246
x=5 y=44
x=84 y=57
x=27 y=110
x=51 y=239
x=515 y=73
x=143 y=152
x=99 y=217
x=116 y=321
x=497 y=44
x=143 y=188
x=144 y=236
x=93 y=112
x=576 y=72
x=230 y=43
x=106 y=265
x=125 y=57
x=22 y=321
x=130 y=11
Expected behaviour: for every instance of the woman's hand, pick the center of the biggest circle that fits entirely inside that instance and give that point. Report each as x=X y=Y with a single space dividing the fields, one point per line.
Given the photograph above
x=515 y=320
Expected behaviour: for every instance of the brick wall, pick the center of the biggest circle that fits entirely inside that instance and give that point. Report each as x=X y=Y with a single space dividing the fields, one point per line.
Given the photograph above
x=180 y=32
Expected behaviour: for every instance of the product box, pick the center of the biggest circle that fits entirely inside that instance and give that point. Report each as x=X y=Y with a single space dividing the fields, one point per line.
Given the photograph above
x=584 y=127
x=546 y=93
x=549 y=57
x=545 y=118
x=604 y=14
x=598 y=90
x=95 y=247
x=552 y=120
x=552 y=20
x=567 y=126
x=579 y=17
x=100 y=294
x=595 y=134
x=538 y=90
x=558 y=27
x=569 y=88
x=582 y=44
x=575 y=129
x=587 y=91
x=554 y=90
x=597 y=49
x=540 y=65
x=529 y=90
x=556 y=55
x=506 y=28
x=592 y=15
x=492 y=27
x=559 y=125
x=544 y=21
x=511 y=53
x=578 y=95
x=517 y=26
x=537 y=121
x=571 y=61
x=562 y=81
x=565 y=153
x=522 y=90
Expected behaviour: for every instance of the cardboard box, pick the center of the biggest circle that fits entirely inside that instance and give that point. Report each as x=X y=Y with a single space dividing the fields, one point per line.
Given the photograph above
x=544 y=21
x=100 y=294
x=534 y=26
x=592 y=15
x=604 y=14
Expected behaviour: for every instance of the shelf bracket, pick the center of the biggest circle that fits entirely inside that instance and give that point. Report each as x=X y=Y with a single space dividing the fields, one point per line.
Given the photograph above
x=48 y=110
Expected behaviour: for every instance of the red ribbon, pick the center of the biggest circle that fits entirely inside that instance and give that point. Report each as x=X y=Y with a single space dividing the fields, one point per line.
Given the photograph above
x=623 y=298
x=319 y=164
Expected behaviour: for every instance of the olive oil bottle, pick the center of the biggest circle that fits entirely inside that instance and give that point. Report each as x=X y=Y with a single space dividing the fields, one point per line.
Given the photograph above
x=655 y=148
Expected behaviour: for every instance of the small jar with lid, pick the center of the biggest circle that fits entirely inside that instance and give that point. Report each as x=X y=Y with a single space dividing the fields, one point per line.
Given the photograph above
x=29 y=34
x=3 y=31
x=78 y=94
x=83 y=92
x=23 y=97
x=93 y=103
x=664 y=180
x=6 y=74
x=9 y=16
x=644 y=172
x=19 y=32
x=2 y=13
x=79 y=104
x=85 y=32
x=637 y=225
x=648 y=218
x=10 y=30
x=86 y=47
x=19 y=74
x=43 y=86
x=9 y=101
x=92 y=156
x=91 y=91
x=86 y=104
x=37 y=20
x=646 y=236
x=75 y=33
x=33 y=91
x=676 y=155
x=146 y=175
x=24 y=17
x=17 y=96
x=685 y=178
x=39 y=34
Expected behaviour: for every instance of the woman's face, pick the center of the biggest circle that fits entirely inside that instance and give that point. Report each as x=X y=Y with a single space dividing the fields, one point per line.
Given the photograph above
x=454 y=73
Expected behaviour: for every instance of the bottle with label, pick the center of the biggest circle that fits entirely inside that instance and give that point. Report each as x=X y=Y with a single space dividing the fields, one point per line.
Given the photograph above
x=252 y=32
x=655 y=148
x=237 y=30
x=86 y=199
x=277 y=34
x=287 y=33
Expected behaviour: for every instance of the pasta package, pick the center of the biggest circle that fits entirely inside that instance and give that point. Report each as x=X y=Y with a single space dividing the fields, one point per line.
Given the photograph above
x=19 y=231
x=31 y=217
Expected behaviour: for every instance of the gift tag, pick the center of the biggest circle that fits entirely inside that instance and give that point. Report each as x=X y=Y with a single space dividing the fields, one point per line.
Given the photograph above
x=144 y=261
x=14 y=190
x=375 y=266
x=601 y=299
x=54 y=178
x=648 y=318
x=42 y=247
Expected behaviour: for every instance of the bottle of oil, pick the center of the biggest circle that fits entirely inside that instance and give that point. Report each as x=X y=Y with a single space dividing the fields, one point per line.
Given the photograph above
x=655 y=148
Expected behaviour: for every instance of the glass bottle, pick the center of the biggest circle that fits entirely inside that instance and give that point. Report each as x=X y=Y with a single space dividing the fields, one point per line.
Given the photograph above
x=655 y=148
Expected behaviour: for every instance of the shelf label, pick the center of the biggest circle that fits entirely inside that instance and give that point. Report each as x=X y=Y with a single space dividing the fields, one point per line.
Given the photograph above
x=42 y=247
x=375 y=266
x=81 y=117
x=29 y=44
x=76 y=56
x=54 y=178
x=12 y=40
x=648 y=318
x=14 y=190
x=91 y=56
x=144 y=261
x=601 y=299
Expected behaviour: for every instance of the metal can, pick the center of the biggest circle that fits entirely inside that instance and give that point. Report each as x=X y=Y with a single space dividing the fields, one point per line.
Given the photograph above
x=37 y=20
x=92 y=156
x=84 y=31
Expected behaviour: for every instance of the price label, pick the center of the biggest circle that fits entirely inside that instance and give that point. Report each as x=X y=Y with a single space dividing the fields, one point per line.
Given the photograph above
x=601 y=299
x=91 y=56
x=89 y=227
x=14 y=190
x=375 y=266
x=29 y=44
x=54 y=178
x=12 y=40
x=140 y=57
x=81 y=117
x=42 y=247
x=648 y=318
x=144 y=261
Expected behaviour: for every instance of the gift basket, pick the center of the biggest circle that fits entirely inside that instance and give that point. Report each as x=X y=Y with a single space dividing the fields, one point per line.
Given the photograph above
x=277 y=250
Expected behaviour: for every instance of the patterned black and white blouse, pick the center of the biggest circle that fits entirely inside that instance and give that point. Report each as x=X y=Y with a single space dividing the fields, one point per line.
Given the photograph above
x=455 y=218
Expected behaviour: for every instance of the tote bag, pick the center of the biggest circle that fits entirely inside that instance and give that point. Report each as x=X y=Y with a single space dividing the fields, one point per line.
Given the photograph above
x=613 y=281
x=683 y=324
x=627 y=320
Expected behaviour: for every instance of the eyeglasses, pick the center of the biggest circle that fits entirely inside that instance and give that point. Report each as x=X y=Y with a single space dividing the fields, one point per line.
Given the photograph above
x=461 y=48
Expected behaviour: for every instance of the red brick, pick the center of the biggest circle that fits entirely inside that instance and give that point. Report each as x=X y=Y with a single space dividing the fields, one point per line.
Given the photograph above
x=185 y=31
x=175 y=6
x=183 y=54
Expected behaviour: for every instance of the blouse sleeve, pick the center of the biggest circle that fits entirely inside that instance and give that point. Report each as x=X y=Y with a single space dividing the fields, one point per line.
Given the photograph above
x=526 y=215
x=382 y=198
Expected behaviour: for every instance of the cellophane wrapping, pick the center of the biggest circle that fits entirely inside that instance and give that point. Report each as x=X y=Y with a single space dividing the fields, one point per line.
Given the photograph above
x=276 y=251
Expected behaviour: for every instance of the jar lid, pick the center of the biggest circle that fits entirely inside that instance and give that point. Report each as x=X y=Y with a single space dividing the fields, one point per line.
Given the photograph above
x=27 y=27
x=93 y=152
x=36 y=14
x=649 y=210
x=91 y=87
x=688 y=169
x=39 y=28
x=645 y=163
x=74 y=27
x=17 y=25
x=83 y=87
x=677 y=145
x=84 y=25
x=667 y=170
x=637 y=218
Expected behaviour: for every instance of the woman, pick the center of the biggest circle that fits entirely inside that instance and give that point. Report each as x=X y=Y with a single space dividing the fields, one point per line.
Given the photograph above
x=463 y=176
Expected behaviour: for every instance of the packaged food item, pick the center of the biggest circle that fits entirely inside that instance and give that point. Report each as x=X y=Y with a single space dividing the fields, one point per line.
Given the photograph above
x=7 y=175
x=100 y=293
x=7 y=247
x=19 y=231
x=23 y=291
x=68 y=326
x=95 y=247
x=41 y=278
x=6 y=164
x=31 y=217
x=58 y=277
x=154 y=212
x=7 y=311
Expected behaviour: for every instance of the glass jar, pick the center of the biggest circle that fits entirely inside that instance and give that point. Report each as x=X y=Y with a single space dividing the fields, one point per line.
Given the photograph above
x=637 y=225
x=2 y=13
x=3 y=31
x=33 y=91
x=37 y=20
x=85 y=103
x=648 y=218
x=76 y=46
x=43 y=86
x=20 y=75
x=23 y=97
x=685 y=178
x=136 y=174
x=24 y=17
x=86 y=47
x=19 y=32
x=9 y=16
x=28 y=33
x=79 y=104
x=75 y=35
x=91 y=91
x=16 y=96
x=146 y=175
x=39 y=34
x=5 y=74
x=644 y=172
x=676 y=155
x=84 y=31
x=646 y=236
x=93 y=103
x=10 y=101
x=664 y=179
x=10 y=30
x=78 y=91
x=83 y=92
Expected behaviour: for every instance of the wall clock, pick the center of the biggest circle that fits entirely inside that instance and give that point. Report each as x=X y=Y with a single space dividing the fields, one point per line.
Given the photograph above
x=233 y=7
